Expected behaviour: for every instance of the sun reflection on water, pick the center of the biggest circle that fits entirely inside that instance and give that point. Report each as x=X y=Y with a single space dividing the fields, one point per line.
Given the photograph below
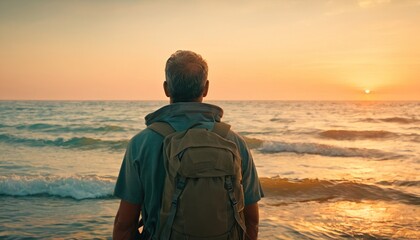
x=340 y=220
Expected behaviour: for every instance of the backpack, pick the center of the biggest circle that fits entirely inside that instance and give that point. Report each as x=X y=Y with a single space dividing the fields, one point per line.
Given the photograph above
x=203 y=196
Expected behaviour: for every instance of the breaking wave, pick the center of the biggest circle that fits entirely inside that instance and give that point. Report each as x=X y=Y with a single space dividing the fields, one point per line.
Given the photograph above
x=355 y=135
x=253 y=142
x=305 y=190
x=286 y=190
x=71 y=187
x=75 y=142
x=325 y=150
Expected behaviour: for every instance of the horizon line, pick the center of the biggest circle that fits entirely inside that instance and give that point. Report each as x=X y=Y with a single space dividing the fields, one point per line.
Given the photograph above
x=231 y=100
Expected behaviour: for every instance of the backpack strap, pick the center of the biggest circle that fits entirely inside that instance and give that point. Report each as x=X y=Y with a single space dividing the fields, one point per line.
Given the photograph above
x=162 y=128
x=222 y=129
x=229 y=188
x=180 y=185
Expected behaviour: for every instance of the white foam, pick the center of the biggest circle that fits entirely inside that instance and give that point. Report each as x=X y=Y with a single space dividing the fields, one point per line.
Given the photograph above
x=74 y=187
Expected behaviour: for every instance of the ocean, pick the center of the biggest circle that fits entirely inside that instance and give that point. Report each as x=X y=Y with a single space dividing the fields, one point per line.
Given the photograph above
x=329 y=170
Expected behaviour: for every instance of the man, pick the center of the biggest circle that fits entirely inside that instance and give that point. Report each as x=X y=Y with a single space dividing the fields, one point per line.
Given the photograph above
x=141 y=179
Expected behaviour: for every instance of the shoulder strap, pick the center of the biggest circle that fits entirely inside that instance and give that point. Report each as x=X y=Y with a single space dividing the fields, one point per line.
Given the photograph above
x=222 y=129
x=162 y=128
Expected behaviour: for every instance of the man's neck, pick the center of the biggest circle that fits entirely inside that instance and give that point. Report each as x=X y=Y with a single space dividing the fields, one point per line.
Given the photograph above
x=200 y=99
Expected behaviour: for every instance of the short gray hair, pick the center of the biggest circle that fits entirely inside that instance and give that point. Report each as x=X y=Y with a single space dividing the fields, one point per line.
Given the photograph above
x=186 y=75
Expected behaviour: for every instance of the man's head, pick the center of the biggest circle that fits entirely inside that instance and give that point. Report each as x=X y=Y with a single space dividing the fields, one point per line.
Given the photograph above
x=186 y=77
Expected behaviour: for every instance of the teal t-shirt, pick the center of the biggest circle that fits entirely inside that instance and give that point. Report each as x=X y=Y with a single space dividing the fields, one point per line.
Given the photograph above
x=142 y=173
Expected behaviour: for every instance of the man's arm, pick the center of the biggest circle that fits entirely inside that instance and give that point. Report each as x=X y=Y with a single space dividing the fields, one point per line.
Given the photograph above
x=252 y=219
x=126 y=221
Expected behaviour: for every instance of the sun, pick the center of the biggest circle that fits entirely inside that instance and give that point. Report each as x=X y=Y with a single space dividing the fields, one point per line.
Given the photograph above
x=367 y=91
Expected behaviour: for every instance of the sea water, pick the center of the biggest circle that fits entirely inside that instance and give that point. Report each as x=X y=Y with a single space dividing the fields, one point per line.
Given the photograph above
x=329 y=170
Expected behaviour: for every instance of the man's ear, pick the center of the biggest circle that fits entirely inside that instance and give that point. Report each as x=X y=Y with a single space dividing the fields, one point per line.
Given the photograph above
x=166 y=89
x=206 y=88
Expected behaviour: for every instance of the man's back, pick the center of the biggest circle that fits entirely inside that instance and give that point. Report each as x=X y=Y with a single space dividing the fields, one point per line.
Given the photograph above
x=141 y=180
x=144 y=155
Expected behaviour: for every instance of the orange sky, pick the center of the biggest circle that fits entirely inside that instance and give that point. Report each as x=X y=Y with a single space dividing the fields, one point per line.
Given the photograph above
x=267 y=49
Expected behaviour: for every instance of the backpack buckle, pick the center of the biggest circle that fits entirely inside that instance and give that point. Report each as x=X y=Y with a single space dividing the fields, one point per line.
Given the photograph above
x=181 y=183
x=228 y=183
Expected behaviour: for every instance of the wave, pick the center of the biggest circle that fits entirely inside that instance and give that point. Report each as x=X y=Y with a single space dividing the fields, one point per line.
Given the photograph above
x=75 y=142
x=367 y=134
x=282 y=120
x=400 y=183
x=38 y=126
x=289 y=191
x=416 y=139
x=392 y=120
x=55 y=128
x=86 y=143
x=354 y=135
x=253 y=142
x=325 y=150
x=78 y=188
x=400 y=120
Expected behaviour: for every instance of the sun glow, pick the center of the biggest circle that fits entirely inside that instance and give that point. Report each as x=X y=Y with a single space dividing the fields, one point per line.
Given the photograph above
x=367 y=91
x=69 y=57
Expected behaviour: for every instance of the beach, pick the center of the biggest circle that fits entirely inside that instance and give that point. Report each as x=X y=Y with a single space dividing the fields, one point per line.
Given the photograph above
x=329 y=170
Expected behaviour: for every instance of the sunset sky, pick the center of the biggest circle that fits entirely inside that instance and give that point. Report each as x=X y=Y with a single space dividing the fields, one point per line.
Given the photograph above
x=256 y=50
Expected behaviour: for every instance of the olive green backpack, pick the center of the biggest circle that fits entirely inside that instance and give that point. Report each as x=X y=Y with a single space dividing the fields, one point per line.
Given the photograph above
x=203 y=196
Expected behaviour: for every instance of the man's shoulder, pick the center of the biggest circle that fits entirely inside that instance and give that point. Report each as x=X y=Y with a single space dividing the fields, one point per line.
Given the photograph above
x=146 y=137
x=145 y=134
x=238 y=139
